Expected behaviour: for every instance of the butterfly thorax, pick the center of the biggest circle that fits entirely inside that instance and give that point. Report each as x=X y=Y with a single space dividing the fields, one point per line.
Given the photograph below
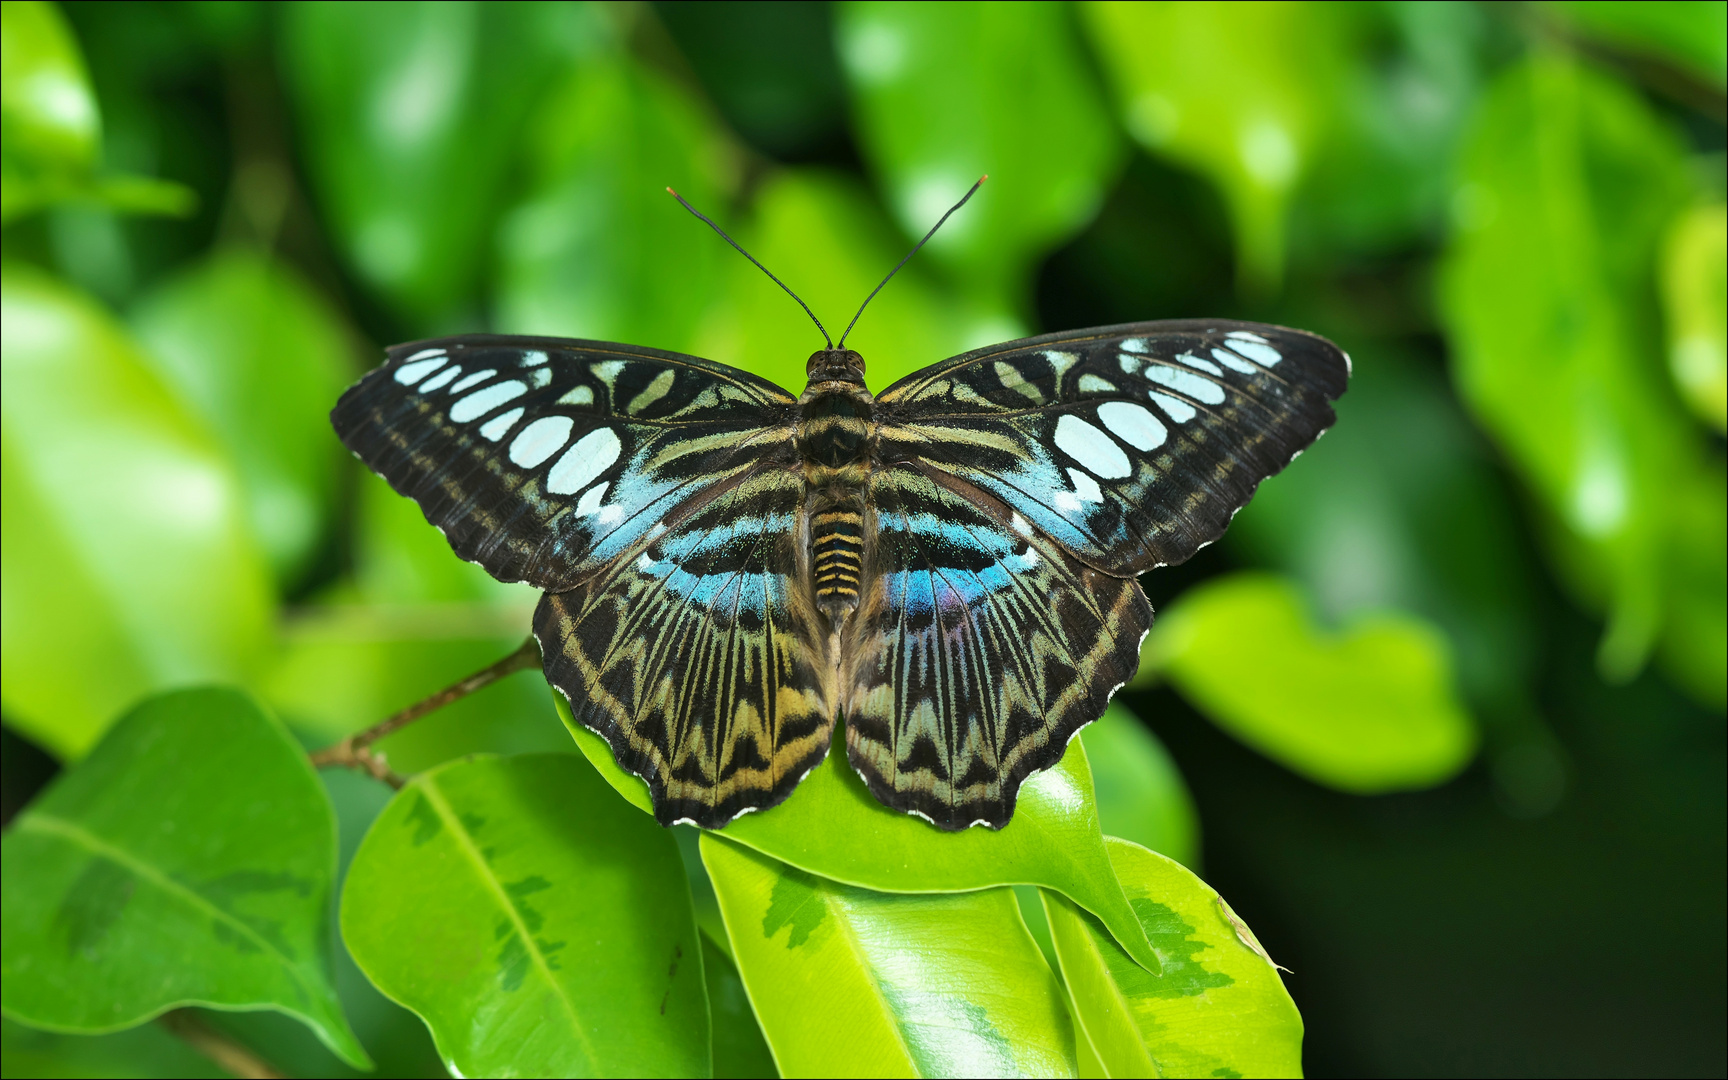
x=835 y=433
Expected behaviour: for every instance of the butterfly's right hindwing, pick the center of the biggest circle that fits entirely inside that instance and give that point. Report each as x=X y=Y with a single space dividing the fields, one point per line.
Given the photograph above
x=542 y=458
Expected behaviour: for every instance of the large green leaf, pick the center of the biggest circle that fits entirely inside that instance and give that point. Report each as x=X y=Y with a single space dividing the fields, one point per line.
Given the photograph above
x=1695 y=301
x=536 y=924
x=409 y=115
x=195 y=831
x=598 y=249
x=1566 y=185
x=260 y=357
x=824 y=236
x=739 y=1048
x=1239 y=92
x=832 y=826
x=1217 y=1009
x=849 y=982
x=1370 y=709
x=127 y=560
x=46 y=104
x=1140 y=793
x=1018 y=100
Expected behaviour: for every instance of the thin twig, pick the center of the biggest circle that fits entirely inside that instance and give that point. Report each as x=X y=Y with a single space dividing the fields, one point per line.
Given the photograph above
x=227 y=1052
x=355 y=752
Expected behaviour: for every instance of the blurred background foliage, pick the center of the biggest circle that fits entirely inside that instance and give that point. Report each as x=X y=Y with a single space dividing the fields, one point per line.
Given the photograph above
x=1442 y=716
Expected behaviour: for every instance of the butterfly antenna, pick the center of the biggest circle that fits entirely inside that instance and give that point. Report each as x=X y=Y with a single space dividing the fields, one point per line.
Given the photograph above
x=828 y=340
x=909 y=254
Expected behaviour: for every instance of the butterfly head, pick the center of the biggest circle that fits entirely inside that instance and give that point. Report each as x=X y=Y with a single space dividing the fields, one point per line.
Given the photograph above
x=835 y=365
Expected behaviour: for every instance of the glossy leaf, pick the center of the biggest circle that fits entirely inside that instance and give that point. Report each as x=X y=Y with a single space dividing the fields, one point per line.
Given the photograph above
x=1018 y=101
x=1217 y=1009
x=1695 y=301
x=832 y=826
x=409 y=113
x=1692 y=36
x=1566 y=184
x=824 y=236
x=1239 y=92
x=537 y=925
x=195 y=830
x=598 y=249
x=259 y=357
x=50 y=115
x=1369 y=709
x=849 y=982
x=124 y=531
x=1140 y=793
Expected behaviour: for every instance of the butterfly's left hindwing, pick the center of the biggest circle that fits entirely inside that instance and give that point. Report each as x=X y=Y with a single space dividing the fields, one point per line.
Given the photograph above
x=543 y=458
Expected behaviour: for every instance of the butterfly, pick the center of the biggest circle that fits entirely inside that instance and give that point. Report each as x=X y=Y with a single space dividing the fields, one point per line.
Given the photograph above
x=948 y=568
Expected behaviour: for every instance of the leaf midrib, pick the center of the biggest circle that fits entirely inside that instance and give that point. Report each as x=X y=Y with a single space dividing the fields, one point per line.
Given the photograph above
x=42 y=822
x=484 y=871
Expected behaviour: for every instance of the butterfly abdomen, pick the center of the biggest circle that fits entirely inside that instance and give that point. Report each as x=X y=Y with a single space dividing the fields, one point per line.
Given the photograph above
x=834 y=437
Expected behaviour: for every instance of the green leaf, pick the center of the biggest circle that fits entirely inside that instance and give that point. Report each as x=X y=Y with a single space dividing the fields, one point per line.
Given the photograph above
x=49 y=110
x=1692 y=36
x=823 y=235
x=598 y=249
x=196 y=830
x=124 y=532
x=856 y=983
x=1239 y=92
x=402 y=559
x=1368 y=710
x=51 y=129
x=1566 y=185
x=1141 y=796
x=740 y=1050
x=1695 y=301
x=832 y=826
x=1217 y=1009
x=1018 y=101
x=260 y=357
x=410 y=115
x=537 y=925
x=146 y=1051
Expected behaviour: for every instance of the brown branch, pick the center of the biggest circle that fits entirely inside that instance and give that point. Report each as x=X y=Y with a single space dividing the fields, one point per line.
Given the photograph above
x=355 y=752
x=228 y=1053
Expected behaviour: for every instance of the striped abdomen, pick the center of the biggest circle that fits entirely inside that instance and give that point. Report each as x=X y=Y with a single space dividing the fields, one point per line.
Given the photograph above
x=837 y=557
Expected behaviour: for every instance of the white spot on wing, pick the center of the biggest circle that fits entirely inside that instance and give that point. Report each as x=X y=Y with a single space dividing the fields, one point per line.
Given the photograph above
x=534 y=358
x=577 y=395
x=412 y=372
x=1177 y=409
x=1257 y=351
x=1018 y=524
x=1134 y=344
x=608 y=371
x=589 y=503
x=1092 y=384
x=1085 y=487
x=438 y=381
x=540 y=440
x=541 y=377
x=1133 y=424
x=592 y=455
x=500 y=425
x=654 y=391
x=424 y=354
x=1204 y=365
x=1234 y=362
x=478 y=376
x=1060 y=361
x=1091 y=447
x=483 y=401
x=1186 y=382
